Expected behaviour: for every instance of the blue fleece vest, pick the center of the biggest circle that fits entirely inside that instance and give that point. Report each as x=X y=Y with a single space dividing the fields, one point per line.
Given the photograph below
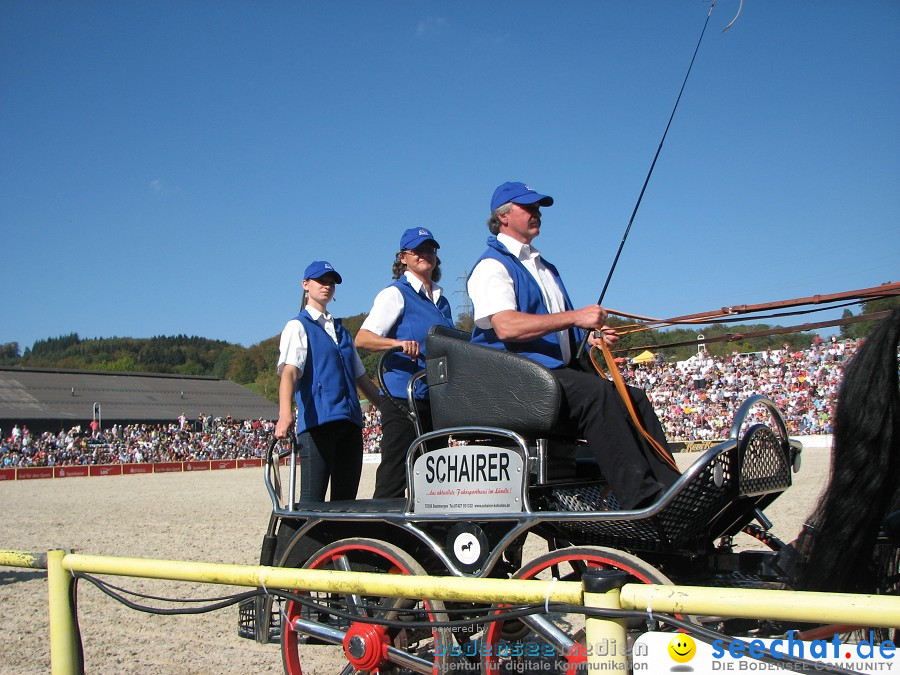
x=419 y=314
x=326 y=391
x=545 y=350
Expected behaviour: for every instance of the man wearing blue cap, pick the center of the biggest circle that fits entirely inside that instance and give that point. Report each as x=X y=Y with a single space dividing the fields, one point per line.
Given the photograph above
x=320 y=371
x=521 y=305
x=400 y=317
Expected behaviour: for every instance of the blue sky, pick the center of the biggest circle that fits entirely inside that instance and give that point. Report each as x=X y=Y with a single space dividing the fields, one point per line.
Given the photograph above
x=172 y=167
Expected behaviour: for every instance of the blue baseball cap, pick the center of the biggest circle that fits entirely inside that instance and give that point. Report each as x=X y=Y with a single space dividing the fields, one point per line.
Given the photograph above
x=518 y=193
x=416 y=236
x=318 y=269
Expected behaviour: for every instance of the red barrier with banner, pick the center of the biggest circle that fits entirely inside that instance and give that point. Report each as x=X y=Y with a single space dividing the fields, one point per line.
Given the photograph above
x=106 y=470
x=137 y=468
x=34 y=472
x=70 y=471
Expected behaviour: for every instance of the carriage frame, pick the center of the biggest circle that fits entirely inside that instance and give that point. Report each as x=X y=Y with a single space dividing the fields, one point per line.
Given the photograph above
x=557 y=498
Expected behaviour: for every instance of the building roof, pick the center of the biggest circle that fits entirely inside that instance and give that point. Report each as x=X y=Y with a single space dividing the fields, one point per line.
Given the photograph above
x=57 y=394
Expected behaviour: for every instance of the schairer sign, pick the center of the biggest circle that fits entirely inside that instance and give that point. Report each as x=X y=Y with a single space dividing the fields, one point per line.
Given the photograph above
x=468 y=479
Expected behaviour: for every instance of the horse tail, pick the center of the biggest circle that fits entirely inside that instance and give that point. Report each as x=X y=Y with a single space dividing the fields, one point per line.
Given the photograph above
x=865 y=470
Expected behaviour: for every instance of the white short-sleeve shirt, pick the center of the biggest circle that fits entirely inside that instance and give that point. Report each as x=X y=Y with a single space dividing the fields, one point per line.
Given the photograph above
x=294 y=345
x=388 y=305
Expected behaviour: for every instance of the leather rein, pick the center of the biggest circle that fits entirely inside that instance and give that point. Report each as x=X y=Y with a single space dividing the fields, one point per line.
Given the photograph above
x=724 y=315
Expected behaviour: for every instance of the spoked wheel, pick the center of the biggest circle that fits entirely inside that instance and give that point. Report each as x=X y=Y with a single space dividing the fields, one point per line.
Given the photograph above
x=373 y=642
x=554 y=643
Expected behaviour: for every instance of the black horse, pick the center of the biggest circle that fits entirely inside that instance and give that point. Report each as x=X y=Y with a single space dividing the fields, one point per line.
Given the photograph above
x=851 y=543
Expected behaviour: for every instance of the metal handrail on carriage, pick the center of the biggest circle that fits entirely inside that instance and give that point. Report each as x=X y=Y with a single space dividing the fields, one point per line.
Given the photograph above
x=273 y=459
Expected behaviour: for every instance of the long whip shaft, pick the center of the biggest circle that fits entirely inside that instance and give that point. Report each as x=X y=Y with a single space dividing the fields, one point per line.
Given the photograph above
x=649 y=173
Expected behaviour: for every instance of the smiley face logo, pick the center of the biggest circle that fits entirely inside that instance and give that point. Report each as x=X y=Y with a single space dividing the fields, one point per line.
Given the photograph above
x=682 y=648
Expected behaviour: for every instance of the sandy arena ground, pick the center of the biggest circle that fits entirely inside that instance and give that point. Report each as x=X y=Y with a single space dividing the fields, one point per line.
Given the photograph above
x=217 y=516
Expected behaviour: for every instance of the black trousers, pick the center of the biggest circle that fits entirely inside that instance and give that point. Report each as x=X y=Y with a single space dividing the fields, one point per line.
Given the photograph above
x=397 y=433
x=330 y=452
x=593 y=407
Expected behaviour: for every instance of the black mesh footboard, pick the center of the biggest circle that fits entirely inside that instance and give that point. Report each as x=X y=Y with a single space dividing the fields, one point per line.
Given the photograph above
x=715 y=497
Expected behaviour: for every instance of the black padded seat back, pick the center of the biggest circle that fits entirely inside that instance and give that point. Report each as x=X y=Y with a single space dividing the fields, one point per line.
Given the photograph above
x=472 y=385
x=446 y=331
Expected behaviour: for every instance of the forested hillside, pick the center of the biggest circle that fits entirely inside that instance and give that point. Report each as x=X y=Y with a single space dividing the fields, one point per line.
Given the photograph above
x=254 y=366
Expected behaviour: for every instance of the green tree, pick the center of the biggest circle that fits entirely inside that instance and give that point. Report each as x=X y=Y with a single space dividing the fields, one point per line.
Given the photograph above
x=353 y=323
x=465 y=322
x=53 y=347
x=9 y=353
x=126 y=364
x=855 y=331
x=370 y=361
x=242 y=369
x=266 y=385
x=223 y=361
x=190 y=368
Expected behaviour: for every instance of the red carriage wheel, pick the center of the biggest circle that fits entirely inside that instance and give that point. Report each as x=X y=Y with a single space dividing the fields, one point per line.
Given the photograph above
x=553 y=643
x=362 y=646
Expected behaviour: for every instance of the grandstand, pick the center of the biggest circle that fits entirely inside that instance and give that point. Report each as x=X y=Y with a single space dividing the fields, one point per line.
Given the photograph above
x=53 y=399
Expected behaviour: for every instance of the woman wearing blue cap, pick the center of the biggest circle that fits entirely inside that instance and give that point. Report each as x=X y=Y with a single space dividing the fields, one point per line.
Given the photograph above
x=401 y=316
x=320 y=370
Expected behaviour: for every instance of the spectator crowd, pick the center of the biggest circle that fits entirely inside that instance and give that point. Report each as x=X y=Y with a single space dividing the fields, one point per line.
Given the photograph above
x=372 y=430
x=220 y=438
x=695 y=400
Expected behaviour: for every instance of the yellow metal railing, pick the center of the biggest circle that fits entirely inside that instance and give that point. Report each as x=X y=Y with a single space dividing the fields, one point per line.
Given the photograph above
x=857 y=609
x=775 y=605
x=36 y=561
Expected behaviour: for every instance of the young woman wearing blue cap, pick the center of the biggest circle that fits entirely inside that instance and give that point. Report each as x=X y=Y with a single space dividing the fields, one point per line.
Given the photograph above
x=320 y=371
x=401 y=316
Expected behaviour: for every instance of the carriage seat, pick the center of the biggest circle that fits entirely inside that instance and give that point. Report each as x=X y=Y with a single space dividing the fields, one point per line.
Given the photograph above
x=472 y=385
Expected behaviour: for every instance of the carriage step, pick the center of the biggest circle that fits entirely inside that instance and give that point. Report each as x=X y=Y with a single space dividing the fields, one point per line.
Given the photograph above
x=247 y=613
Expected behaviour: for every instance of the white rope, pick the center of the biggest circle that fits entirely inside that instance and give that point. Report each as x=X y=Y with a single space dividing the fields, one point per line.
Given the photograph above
x=285 y=621
x=547 y=599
